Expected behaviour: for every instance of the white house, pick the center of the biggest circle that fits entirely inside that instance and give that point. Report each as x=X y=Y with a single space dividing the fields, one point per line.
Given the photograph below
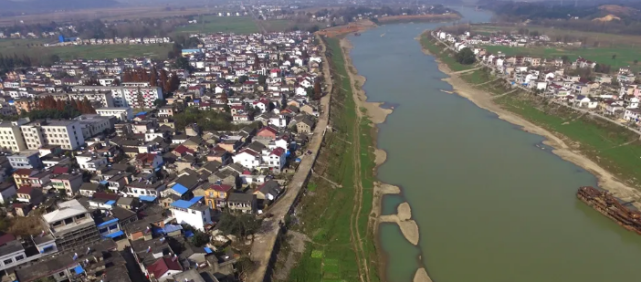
x=275 y=160
x=192 y=212
x=91 y=163
x=632 y=115
x=247 y=158
x=7 y=191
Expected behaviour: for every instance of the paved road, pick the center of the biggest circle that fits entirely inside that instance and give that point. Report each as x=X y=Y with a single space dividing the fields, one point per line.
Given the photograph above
x=264 y=243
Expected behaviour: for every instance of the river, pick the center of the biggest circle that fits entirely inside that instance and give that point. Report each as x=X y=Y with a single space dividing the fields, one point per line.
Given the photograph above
x=491 y=206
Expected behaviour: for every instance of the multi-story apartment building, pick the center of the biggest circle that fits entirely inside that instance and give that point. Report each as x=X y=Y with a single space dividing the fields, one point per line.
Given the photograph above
x=103 y=99
x=92 y=125
x=11 y=136
x=70 y=183
x=66 y=133
x=122 y=114
x=25 y=159
x=141 y=96
x=71 y=225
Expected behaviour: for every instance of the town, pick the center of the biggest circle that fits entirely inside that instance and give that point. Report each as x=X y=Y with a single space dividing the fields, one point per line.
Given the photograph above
x=582 y=84
x=139 y=170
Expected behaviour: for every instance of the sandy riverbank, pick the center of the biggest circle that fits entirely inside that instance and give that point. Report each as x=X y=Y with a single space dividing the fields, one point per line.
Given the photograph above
x=421 y=276
x=403 y=218
x=483 y=99
x=377 y=114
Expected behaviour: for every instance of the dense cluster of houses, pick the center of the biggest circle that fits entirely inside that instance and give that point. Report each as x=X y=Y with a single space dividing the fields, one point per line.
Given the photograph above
x=613 y=95
x=110 y=41
x=503 y=39
x=100 y=182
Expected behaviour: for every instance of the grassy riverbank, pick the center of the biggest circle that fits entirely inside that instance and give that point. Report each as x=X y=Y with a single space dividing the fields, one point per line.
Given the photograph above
x=612 y=147
x=326 y=214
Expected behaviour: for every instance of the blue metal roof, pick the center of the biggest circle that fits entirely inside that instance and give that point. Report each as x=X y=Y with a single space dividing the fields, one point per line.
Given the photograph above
x=78 y=269
x=208 y=250
x=110 y=202
x=115 y=234
x=104 y=182
x=186 y=204
x=171 y=228
x=180 y=188
x=147 y=198
x=189 y=234
x=141 y=113
x=181 y=204
x=108 y=222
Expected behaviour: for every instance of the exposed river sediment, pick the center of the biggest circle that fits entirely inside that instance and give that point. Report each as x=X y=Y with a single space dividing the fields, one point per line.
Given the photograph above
x=488 y=204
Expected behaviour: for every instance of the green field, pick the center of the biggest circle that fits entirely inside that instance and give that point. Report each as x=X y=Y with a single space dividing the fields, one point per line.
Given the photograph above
x=612 y=146
x=212 y=24
x=625 y=56
x=326 y=213
x=34 y=48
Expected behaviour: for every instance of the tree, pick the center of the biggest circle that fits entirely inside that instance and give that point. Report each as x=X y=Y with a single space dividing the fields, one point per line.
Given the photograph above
x=159 y=102
x=174 y=82
x=164 y=81
x=262 y=79
x=153 y=78
x=54 y=58
x=238 y=225
x=465 y=56
x=614 y=56
x=182 y=63
x=317 y=90
x=636 y=61
x=199 y=239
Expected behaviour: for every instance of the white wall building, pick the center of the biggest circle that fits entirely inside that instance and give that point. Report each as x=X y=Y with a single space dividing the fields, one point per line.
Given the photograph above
x=127 y=96
x=192 y=212
x=66 y=133
x=122 y=114
x=92 y=125
x=11 y=136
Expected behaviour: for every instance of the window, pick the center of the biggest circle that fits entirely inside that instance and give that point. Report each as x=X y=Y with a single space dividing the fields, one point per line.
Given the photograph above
x=7 y=261
x=19 y=258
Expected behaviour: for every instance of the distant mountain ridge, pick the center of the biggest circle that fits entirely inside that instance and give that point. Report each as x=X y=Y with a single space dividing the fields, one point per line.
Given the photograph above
x=54 y=5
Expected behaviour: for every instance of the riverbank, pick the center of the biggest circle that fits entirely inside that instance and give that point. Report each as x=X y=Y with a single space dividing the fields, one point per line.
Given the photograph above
x=377 y=115
x=485 y=100
x=419 y=18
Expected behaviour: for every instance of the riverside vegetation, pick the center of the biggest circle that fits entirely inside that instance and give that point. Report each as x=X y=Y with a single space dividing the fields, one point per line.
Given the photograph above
x=340 y=194
x=612 y=147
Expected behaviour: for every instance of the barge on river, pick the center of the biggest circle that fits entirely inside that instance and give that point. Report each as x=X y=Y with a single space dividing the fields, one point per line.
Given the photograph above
x=614 y=208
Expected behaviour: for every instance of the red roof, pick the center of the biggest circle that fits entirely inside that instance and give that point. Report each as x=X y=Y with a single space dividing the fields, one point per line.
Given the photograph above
x=267 y=128
x=60 y=169
x=23 y=171
x=161 y=266
x=221 y=187
x=278 y=151
x=146 y=157
x=182 y=150
x=6 y=238
x=25 y=189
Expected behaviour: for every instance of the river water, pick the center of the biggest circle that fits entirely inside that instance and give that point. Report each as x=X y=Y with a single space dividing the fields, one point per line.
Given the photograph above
x=491 y=206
